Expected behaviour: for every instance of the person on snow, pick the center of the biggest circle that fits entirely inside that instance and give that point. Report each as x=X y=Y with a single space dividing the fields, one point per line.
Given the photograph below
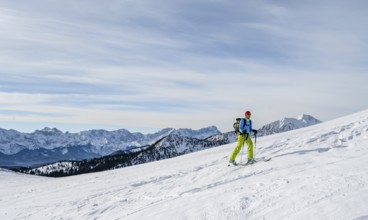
x=245 y=128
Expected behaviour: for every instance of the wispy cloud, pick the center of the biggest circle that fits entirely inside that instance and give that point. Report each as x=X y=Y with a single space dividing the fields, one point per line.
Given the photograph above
x=179 y=63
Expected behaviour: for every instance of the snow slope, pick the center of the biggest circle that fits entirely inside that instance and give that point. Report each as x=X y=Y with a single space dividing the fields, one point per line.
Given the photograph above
x=318 y=172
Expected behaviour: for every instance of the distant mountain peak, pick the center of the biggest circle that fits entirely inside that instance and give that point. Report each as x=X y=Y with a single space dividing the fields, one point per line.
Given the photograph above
x=303 y=116
x=308 y=119
x=287 y=124
x=49 y=130
x=202 y=133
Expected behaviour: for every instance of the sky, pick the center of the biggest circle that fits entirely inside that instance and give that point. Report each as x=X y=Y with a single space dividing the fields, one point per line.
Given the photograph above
x=148 y=65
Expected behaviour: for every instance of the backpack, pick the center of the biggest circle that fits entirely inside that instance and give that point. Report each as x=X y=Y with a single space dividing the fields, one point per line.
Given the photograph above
x=236 y=125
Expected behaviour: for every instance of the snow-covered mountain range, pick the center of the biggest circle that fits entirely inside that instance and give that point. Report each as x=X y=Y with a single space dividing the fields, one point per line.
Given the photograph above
x=170 y=146
x=288 y=124
x=318 y=172
x=102 y=142
x=51 y=145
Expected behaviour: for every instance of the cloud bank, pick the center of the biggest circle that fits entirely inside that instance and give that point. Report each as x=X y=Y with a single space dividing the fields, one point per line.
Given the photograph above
x=149 y=65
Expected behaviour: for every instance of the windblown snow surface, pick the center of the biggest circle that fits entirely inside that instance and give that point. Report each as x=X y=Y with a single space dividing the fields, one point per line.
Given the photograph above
x=318 y=172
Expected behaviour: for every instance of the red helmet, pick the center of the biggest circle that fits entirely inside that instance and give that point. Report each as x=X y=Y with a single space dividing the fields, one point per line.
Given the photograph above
x=247 y=113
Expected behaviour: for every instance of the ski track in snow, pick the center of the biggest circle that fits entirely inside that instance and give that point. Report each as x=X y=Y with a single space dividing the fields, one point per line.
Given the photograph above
x=319 y=172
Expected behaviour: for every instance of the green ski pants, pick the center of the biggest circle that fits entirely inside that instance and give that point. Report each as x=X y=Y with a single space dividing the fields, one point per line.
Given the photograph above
x=241 y=140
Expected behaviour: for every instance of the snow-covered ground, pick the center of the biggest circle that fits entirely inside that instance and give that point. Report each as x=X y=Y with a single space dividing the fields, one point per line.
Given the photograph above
x=318 y=172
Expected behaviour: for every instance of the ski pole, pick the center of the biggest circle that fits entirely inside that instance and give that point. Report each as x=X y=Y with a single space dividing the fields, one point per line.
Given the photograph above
x=241 y=154
x=255 y=144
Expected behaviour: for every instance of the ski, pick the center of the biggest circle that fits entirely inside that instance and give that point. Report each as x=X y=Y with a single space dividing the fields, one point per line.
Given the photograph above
x=265 y=159
x=232 y=165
